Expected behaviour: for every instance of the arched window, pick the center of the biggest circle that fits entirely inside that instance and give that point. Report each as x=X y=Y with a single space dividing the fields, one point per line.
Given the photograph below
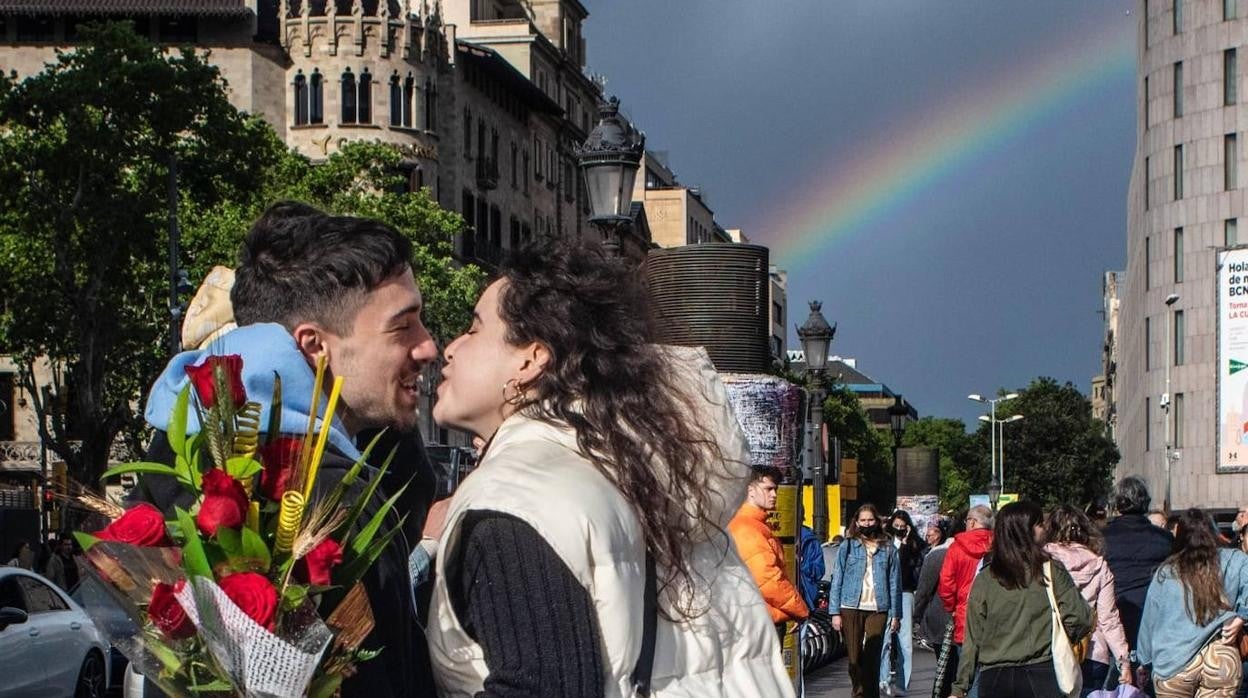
x=348 y=97
x=409 y=96
x=366 y=97
x=301 y=99
x=316 y=98
x=396 y=101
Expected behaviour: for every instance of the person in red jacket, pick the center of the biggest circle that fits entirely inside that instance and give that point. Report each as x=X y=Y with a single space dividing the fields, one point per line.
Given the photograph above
x=761 y=551
x=962 y=563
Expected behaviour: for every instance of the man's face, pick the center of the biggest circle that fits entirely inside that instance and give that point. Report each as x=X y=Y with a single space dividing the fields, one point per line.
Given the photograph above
x=972 y=523
x=762 y=493
x=382 y=358
x=932 y=535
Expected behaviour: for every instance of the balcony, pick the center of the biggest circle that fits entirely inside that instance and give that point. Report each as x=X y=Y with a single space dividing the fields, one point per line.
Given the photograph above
x=24 y=456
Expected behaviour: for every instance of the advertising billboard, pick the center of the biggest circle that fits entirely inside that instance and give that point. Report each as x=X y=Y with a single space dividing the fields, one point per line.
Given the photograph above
x=1233 y=360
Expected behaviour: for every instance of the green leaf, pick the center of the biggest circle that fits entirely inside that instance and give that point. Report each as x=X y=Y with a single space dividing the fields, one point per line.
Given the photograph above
x=217 y=685
x=194 y=559
x=358 y=507
x=348 y=479
x=353 y=570
x=140 y=467
x=325 y=686
x=177 y=421
x=85 y=540
x=242 y=467
x=254 y=547
x=293 y=596
x=362 y=540
x=230 y=540
x=275 y=410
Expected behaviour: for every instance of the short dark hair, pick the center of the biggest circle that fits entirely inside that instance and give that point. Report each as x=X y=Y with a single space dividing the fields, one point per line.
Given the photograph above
x=299 y=264
x=1131 y=496
x=761 y=473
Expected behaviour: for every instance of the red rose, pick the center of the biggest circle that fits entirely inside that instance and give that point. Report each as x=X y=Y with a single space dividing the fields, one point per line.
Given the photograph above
x=316 y=565
x=167 y=614
x=204 y=380
x=253 y=594
x=279 y=456
x=225 y=503
x=141 y=525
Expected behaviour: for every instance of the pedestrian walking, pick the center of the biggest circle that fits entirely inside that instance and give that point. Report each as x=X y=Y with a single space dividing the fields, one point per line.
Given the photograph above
x=1134 y=548
x=23 y=556
x=1009 y=612
x=762 y=553
x=962 y=564
x=910 y=551
x=933 y=619
x=1194 y=612
x=865 y=597
x=811 y=566
x=1077 y=543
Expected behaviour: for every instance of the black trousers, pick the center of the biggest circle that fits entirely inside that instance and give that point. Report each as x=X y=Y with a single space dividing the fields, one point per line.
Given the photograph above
x=1027 y=681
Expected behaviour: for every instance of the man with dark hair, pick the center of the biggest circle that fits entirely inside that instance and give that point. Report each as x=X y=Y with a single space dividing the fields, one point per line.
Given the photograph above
x=312 y=286
x=761 y=551
x=1134 y=548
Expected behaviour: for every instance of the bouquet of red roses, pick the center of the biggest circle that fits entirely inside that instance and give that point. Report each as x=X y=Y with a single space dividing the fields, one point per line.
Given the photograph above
x=255 y=588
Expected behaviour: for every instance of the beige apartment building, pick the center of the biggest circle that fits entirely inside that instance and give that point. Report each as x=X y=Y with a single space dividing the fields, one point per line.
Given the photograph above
x=1184 y=205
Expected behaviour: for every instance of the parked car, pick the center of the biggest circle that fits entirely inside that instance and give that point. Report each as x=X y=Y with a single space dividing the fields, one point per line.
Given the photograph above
x=109 y=617
x=48 y=644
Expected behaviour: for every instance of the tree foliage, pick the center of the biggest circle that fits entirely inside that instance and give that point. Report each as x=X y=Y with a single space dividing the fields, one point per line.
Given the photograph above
x=960 y=459
x=1057 y=453
x=85 y=151
x=847 y=421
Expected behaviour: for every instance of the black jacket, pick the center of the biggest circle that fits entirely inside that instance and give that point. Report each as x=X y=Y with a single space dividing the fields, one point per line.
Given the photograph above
x=402 y=668
x=929 y=612
x=1134 y=548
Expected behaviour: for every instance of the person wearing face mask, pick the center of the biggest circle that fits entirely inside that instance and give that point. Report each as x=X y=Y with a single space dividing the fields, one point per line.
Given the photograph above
x=865 y=597
x=910 y=551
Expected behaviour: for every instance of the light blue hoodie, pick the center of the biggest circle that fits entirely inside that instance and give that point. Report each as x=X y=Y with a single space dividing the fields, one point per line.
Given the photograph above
x=1169 y=638
x=268 y=350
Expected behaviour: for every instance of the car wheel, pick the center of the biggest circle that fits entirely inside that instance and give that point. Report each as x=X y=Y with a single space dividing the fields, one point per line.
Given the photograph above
x=91 y=677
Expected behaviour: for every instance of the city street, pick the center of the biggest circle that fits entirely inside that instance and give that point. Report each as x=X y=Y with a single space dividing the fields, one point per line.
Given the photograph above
x=833 y=680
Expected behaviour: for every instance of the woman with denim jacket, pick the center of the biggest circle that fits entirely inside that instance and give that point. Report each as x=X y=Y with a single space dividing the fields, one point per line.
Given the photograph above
x=866 y=597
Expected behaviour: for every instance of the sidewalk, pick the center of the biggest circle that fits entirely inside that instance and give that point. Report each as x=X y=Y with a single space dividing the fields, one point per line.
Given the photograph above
x=833 y=680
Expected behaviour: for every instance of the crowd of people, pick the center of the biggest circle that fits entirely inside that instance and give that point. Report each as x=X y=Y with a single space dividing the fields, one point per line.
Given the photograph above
x=1028 y=603
x=54 y=560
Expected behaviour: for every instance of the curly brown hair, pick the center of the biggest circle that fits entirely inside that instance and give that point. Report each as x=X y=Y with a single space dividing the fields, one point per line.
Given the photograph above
x=1194 y=561
x=616 y=390
x=1067 y=524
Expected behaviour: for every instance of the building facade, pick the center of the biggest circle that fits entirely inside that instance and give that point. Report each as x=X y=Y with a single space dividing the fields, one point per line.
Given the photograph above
x=1184 y=204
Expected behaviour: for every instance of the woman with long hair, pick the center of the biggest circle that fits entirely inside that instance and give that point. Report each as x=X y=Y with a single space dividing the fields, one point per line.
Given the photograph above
x=865 y=598
x=1076 y=542
x=1193 y=614
x=591 y=530
x=910 y=552
x=1009 y=621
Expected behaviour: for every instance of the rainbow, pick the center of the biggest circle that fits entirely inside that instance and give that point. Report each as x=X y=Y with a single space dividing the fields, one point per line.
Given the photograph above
x=876 y=183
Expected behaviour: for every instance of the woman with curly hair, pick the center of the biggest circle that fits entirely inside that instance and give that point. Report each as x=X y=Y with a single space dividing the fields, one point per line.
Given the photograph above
x=1194 y=612
x=591 y=531
x=1076 y=542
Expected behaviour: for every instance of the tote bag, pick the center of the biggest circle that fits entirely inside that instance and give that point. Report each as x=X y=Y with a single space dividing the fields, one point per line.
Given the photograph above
x=1069 y=676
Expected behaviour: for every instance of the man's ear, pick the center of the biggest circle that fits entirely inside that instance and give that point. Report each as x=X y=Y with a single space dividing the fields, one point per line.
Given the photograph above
x=310 y=338
x=536 y=357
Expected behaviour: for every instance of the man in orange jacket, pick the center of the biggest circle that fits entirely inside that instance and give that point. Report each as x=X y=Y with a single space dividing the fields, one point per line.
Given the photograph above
x=761 y=551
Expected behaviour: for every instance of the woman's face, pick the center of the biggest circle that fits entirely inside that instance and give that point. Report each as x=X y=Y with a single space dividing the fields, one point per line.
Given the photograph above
x=900 y=529
x=479 y=363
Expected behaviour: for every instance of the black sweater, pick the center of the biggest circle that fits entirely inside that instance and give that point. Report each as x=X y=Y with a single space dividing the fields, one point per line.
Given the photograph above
x=519 y=601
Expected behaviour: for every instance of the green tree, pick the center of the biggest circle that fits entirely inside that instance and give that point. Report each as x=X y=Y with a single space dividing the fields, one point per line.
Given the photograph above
x=847 y=421
x=1057 y=453
x=85 y=150
x=961 y=463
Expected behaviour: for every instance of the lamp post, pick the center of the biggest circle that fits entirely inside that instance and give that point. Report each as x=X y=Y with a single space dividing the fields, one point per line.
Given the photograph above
x=610 y=157
x=992 y=456
x=1165 y=397
x=816 y=336
x=897 y=413
x=1000 y=424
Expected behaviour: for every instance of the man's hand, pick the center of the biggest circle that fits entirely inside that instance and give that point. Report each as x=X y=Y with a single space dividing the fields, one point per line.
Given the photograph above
x=836 y=622
x=435 y=521
x=895 y=625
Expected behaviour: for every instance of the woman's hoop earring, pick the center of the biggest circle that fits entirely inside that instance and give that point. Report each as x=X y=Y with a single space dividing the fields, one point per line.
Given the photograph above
x=519 y=398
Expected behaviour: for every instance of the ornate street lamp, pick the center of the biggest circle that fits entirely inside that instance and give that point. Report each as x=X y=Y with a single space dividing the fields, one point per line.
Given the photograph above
x=610 y=158
x=897 y=413
x=816 y=336
x=994 y=493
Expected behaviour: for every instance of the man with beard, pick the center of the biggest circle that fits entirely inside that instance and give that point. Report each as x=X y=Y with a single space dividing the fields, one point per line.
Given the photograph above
x=311 y=286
